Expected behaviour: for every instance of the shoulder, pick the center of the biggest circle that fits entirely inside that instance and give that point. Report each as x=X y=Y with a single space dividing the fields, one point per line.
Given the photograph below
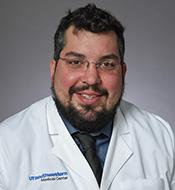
x=138 y=115
x=29 y=117
x=147 y=125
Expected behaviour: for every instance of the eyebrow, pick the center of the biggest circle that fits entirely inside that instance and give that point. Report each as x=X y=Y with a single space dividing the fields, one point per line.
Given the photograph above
x=72 y=53
x=108 y=56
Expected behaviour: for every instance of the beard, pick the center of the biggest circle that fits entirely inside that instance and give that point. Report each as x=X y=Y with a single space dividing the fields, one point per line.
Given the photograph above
x=91 y=123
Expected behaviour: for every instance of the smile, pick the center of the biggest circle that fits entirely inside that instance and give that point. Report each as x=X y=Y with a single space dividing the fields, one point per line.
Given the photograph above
x=88 y=97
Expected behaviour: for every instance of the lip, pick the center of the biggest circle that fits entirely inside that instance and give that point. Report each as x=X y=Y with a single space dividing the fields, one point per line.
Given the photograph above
x=88 y=97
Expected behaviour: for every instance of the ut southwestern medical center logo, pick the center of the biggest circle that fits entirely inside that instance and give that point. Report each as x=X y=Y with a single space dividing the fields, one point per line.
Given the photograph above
x=49 y=176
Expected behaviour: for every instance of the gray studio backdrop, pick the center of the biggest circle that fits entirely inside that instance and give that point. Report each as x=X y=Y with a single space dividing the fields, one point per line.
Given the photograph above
x=26 y=47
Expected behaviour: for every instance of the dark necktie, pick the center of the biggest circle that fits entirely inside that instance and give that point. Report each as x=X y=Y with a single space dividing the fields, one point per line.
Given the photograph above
x=88 y=144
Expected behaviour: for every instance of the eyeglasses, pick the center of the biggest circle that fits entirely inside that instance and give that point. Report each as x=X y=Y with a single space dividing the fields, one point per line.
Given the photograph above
x=80 y=64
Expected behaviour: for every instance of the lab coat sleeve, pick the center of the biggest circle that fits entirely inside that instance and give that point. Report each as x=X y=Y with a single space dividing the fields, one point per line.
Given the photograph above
x=3 y=167
x=2 y=188
x=171 y=147
x=2 y=182
x=172 y=184
x=173 y=179
x=173 y=175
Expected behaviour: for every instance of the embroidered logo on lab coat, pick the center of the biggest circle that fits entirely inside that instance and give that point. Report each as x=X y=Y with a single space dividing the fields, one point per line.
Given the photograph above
x=53 y=176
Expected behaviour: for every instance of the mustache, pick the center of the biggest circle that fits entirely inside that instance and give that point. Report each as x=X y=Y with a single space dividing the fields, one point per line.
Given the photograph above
x=95 y=88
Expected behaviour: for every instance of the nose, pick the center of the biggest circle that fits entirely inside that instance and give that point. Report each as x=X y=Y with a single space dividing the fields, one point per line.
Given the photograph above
x=91 y=75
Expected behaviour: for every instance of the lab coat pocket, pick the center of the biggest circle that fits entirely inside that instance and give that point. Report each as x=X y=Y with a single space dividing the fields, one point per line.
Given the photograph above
x=143 y=184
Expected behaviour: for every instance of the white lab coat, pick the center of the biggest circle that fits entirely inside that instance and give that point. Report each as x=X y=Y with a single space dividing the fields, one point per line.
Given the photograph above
x=38 y=153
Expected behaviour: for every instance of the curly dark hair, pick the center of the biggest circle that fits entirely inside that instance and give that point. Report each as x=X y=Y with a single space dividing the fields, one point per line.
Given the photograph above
x=89 y=18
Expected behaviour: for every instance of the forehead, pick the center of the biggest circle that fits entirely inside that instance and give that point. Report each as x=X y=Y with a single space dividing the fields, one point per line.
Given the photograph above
x=82 y=40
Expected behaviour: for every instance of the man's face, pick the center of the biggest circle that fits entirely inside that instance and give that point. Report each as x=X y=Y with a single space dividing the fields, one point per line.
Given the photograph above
x=90 y=92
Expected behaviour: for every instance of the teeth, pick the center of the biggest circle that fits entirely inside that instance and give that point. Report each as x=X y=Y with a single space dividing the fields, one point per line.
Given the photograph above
x=89 y=97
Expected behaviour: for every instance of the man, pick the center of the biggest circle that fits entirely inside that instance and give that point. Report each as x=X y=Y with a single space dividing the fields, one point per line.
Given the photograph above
x=43 y=146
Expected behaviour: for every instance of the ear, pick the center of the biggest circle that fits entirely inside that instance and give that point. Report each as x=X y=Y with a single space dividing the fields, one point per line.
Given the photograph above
x=52 y=69
x=124 y=69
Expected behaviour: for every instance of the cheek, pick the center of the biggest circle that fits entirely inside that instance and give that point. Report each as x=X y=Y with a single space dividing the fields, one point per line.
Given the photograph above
x=63 y=81
x=113 y=84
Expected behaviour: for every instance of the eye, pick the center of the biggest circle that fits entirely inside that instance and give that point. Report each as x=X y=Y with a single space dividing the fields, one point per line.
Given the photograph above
x=108 y=64
x=74 y=62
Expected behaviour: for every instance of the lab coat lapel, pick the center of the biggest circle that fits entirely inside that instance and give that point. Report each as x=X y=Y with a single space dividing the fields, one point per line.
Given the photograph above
x=118 y=152
x=66 y=149
x=70 y=154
